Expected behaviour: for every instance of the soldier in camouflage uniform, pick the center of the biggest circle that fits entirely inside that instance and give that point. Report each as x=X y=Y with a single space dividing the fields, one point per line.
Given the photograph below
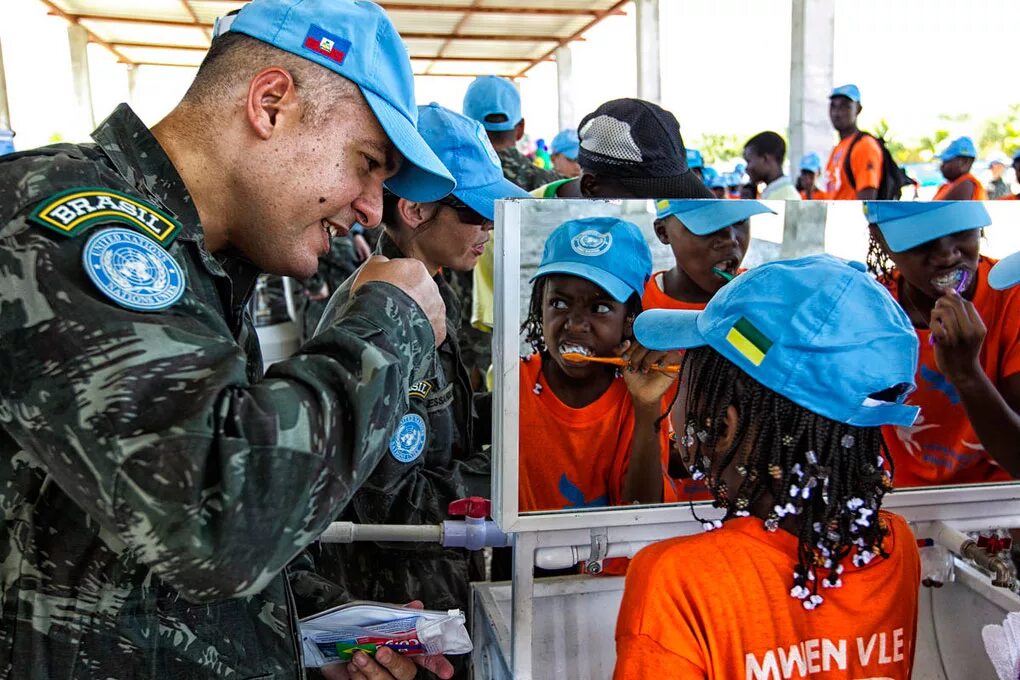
x=435 y=456
x=153 y=483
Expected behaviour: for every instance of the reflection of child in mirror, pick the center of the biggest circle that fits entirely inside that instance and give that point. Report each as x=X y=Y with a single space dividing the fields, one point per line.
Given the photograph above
x=709 y=240
x=589 y=433
x=776 y=412
x=968 y=376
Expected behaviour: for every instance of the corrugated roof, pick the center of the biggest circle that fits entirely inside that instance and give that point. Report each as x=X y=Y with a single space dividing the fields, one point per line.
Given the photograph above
x=443 y=37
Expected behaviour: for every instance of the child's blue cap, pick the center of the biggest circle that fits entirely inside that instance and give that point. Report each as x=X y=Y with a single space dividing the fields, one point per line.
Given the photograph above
x=849 y=91
x=908 y=224
x=492 y=95
x=1005 y=273
x=811 y=162
x=961 y=146
x=694 y=159
x=720 y=181
x=703 y=217
x=567 y=143
x=609 y=252
x=817 y=330
x=708 y=173
x=464 y=148
x=1016 y=154
x=357 y=40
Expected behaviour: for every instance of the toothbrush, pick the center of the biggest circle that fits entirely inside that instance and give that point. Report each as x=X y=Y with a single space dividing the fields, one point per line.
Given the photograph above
x=577 y=357
x=960 y=286
x=720 y=272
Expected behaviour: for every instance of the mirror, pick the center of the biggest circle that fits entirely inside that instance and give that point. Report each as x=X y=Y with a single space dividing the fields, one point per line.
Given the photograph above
x=791 y=229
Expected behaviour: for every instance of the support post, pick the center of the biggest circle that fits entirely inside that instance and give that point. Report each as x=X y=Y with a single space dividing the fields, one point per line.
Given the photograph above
x=565 y=88
x=812 y=31
x=649 y=79
x=85 y=120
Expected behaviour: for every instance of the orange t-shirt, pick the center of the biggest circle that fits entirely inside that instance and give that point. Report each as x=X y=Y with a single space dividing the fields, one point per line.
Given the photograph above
x=733 y=617
x=1008 y=197
x=673 y=490
x=979 y=191
x=865 y=161
x=941 y=447
x=571 y=457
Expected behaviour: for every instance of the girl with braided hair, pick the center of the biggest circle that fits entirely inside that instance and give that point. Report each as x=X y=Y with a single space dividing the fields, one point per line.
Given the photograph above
x=788 y=374
x=968 y=373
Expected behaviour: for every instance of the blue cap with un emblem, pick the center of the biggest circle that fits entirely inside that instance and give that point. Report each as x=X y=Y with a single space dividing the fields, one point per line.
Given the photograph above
x=817 y=330
x=694 y=159
x=567 y=143
x=492 y=95
x=961 y=146
x=850 y=91
x=610 y=252
x=1005 y=273
x=464 y=148
x=811 y=162
x=908 y=224
x=357 y=40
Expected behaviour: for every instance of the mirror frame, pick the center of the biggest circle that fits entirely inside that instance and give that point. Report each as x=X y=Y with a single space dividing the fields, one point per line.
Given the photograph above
x=986 y=505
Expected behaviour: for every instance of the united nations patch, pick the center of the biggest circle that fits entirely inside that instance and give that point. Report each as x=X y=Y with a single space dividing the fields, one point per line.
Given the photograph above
x=73 y=211
x=132 y=270
x=408 y=441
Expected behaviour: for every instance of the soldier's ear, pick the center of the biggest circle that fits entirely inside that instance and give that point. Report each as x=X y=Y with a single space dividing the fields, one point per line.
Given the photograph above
x=271 y=94
x=519 y=130
x=589 y=185
x=413 y=214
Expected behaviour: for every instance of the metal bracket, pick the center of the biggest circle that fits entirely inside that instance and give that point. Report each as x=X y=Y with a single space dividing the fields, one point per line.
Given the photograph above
x=599 y=550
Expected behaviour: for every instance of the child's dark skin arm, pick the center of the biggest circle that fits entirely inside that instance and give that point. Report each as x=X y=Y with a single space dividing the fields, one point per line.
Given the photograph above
x=642 y=483
x=994 y=412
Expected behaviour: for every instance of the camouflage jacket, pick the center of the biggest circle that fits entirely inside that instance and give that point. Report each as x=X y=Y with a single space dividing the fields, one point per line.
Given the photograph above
x=413 y=484
x=519 y=169
x=153 y=483
x=334 y=268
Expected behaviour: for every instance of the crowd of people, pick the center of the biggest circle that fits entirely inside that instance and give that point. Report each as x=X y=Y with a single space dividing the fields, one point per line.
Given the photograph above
x=163 y=492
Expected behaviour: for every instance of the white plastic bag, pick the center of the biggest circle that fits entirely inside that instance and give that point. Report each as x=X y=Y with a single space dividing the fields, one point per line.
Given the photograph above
x=335 y=634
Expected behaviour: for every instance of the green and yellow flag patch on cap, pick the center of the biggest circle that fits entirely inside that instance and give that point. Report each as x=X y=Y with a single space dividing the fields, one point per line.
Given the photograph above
x=76 y=210
x=749 y=341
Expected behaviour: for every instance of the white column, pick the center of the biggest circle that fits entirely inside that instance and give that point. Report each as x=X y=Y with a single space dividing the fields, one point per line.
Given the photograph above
x=132 y=83
x=565 y=88
x=811 y=79
x=648 y=74
x=5 y=111
x=85 y=120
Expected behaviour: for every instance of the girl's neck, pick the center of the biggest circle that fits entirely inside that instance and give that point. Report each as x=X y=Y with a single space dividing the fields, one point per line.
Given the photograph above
x=573 y=392
x=679 y=286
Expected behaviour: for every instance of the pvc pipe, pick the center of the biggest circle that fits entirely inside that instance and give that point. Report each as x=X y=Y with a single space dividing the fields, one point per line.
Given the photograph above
x=349 y=532
x=569 y=555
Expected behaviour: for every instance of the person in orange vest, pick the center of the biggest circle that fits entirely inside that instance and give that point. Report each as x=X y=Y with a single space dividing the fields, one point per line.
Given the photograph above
x=863 y=150
x=957 y=160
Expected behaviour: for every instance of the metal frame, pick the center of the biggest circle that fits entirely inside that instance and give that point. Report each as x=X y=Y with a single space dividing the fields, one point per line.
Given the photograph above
x=519 y=65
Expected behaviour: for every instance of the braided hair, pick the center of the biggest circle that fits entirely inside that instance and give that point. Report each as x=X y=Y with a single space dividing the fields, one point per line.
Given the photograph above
x=531 y=329
x=830 y=475
x=879 y=263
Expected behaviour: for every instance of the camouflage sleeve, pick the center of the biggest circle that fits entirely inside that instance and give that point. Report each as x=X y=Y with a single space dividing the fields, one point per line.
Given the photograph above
x=150 y=423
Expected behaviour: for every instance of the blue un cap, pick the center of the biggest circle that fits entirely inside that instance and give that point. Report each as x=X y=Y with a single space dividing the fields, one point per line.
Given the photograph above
x=811 y=162
x=492 y=95
x=850 y=91
x=1005 y=273
x=610 y=252
x=464 y=148
x=908 y=224
x=694 y=159
x=961 y=146
x=358 y=41
x=817 y=330
x=567 y=143
x=703 y=217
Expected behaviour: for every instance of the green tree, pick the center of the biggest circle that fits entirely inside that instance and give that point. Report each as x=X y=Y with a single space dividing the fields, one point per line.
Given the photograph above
x=715 y=148
x=1001 y=134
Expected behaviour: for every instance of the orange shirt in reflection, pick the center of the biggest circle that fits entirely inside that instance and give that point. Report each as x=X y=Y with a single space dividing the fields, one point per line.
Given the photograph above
x=718 y=606
x=1008 y=197
x=941 y=447
x=865 y=162
x=979 y=191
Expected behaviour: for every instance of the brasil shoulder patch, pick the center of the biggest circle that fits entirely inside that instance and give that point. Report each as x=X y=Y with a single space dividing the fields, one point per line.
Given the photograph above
x=76 y=210
x=749 y=341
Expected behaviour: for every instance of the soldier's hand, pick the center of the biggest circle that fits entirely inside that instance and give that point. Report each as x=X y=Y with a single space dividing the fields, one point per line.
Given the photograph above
x=410 y=276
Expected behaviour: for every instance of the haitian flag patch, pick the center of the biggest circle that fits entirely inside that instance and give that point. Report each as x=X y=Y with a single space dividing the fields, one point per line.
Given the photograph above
x=326 y=44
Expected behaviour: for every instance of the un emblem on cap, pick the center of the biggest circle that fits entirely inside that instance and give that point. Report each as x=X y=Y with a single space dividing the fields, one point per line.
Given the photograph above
x=408 y=441
x=133 y=270
x=592 y=243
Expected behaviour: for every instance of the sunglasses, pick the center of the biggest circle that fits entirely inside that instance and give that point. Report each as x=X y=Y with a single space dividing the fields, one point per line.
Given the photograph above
x=465 y=213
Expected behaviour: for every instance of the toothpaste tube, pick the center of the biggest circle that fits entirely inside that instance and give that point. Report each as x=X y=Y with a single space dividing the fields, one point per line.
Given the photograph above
x=334 y=635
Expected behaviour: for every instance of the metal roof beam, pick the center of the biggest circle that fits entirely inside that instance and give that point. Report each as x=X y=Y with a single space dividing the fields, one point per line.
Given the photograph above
x=73 y=19
x=576 y=36
x=487 y=9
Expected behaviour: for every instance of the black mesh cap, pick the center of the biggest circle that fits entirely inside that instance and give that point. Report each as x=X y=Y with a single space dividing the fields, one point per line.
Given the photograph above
x=638 y=143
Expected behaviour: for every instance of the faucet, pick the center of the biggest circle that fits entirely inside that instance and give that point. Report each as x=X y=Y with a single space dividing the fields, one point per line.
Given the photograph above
x=964 y=546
